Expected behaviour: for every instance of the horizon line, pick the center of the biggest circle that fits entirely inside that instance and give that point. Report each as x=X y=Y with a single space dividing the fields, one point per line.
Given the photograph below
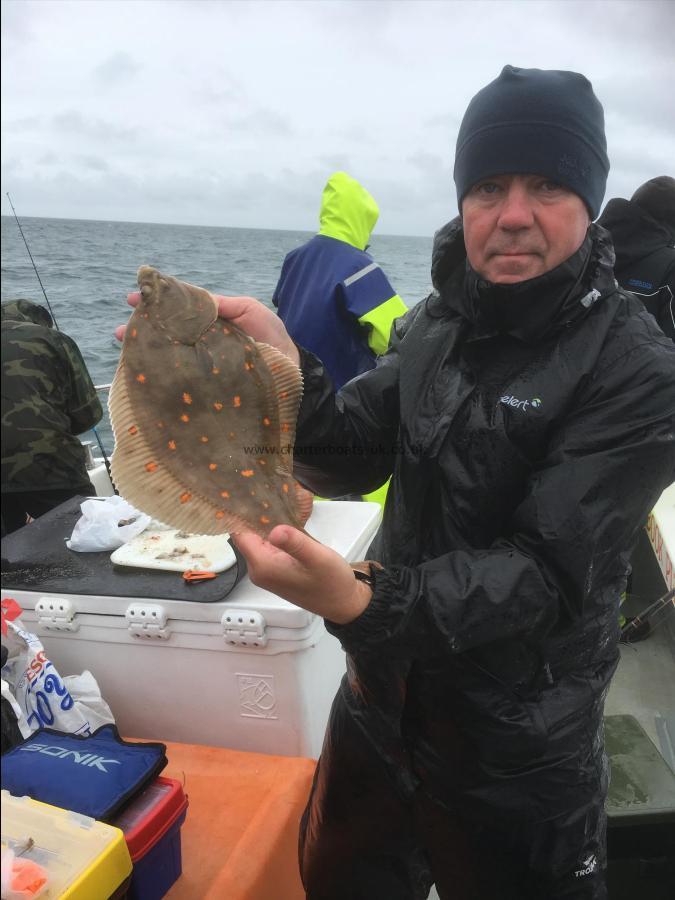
x=192 y=225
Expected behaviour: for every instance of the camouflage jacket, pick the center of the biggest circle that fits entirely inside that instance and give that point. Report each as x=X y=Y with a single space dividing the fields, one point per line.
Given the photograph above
x=48 y=399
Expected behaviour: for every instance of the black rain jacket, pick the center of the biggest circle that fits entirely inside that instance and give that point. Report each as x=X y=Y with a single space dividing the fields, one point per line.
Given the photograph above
x=645 y=258
x=528 y=429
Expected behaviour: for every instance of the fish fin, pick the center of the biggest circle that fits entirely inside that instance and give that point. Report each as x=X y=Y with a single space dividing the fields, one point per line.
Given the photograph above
x=305 y=503
x=288 y=386
x=153 y=488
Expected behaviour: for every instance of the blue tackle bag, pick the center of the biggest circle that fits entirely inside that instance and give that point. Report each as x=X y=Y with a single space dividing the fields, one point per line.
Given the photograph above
x=94 y=775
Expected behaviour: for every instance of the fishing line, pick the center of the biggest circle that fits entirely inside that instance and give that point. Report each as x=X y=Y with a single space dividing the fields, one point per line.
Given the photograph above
x=49 y=306
x=51 y=312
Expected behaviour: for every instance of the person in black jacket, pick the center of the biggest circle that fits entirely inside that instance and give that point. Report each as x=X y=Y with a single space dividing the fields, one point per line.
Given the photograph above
x=643 y=234
x=526 y=415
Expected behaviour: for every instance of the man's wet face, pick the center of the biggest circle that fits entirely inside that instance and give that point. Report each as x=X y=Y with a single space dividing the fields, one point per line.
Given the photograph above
x=517 y=227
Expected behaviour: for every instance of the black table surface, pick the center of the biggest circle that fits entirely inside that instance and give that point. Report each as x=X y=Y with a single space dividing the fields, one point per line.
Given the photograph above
x=35 y=558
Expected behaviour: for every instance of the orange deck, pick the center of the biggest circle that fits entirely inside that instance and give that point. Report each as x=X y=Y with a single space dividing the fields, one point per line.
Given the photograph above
x=240 y=836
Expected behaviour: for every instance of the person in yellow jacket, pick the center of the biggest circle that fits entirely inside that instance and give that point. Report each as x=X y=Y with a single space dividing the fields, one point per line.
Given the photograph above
x=333 y=298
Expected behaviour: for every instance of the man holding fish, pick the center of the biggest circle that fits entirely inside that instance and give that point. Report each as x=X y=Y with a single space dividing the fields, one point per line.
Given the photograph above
x=525 y=412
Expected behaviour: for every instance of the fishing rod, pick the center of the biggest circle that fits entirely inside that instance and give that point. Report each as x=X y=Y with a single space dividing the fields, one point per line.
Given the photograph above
x=664 y=605
x=49 y=306
x=51 y=312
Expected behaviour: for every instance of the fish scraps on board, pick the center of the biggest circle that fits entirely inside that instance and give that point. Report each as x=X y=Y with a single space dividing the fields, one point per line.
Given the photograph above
x=204 y=417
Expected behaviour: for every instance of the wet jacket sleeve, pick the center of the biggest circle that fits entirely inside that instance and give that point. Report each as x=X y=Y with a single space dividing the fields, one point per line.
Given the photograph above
x=369 y=297
x=604 y=470
x=346 y=442
x=83 y=408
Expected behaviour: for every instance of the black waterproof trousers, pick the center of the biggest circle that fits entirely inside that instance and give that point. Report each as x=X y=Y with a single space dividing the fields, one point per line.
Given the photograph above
x=359 y=840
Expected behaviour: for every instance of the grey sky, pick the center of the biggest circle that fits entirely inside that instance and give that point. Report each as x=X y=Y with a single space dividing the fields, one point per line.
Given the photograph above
x=234 y=113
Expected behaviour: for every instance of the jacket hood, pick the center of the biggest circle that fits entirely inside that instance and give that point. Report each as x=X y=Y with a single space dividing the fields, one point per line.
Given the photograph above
x=25 y=311
x=348 y=212
x=528 y=310
x=635 y=234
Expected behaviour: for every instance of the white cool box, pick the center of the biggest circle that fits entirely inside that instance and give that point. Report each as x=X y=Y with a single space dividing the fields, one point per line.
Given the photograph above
x=251 y=672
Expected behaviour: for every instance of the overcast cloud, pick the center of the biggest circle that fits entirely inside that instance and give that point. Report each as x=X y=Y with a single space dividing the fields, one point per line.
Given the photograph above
x=234 y=113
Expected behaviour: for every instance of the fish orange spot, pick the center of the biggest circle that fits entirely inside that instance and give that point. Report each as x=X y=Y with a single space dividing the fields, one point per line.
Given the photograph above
x=248 y=366
x=133 y=430
x=140 y=378
x=265 y=520
x=184 y=498
x=283 y=395
x=284 y=488
x=220 y=514
x=218 y=406
x=266 y=421
x=285 y=426
x=252 y=493
x=265 y=505
x=187 y=399
x=246 y=473
x=213 y=466
x=160 y=424
x=215 y=371
x=151 y=467
x=185 y=418
x=236 y=401
x=225 y=494
x=204 y=439
x=261 y=462
x=133 y=332
x=226 y=330
x=172 y=445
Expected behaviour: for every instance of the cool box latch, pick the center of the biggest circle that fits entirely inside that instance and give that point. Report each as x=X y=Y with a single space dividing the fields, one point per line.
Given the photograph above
x=244 y=628
x=147 y=620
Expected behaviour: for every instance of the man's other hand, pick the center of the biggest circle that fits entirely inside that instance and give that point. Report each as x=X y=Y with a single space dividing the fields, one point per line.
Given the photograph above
x=303 y=571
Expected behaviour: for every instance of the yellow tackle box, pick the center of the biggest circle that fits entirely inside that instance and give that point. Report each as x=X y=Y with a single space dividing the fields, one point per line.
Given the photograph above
x=84 y=859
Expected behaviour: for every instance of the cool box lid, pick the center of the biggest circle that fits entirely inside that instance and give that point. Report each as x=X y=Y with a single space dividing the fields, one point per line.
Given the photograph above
x=104 y=605
x=36 y=558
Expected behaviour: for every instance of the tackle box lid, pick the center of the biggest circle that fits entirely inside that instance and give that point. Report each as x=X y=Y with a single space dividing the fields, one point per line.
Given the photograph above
x=147 y=819
x=84 y=858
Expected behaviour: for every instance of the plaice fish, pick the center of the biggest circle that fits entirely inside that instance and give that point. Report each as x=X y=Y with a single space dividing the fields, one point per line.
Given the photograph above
x=203 y=417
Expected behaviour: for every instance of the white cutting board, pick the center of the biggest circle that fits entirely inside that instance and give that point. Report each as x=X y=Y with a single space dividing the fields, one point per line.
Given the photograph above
x=160 y=547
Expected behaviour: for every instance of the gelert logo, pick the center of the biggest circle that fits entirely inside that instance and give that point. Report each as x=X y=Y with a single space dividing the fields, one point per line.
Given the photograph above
x=510 y=400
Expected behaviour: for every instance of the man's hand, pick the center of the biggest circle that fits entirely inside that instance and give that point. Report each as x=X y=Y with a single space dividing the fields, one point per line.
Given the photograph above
x=261 y=323
x=247 y=313
x=304 y=572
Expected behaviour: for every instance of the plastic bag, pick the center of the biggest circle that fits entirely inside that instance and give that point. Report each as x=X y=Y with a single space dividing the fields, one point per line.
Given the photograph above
x=14 y=724
x=73 y=704
x=106 y=523
x=21 y=879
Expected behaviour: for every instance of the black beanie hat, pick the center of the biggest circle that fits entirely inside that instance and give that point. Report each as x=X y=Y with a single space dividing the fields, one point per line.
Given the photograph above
x=535 y=122
x=657 y=197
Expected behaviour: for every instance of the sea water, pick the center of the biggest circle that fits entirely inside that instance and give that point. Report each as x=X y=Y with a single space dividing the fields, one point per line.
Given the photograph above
x=87 y=269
